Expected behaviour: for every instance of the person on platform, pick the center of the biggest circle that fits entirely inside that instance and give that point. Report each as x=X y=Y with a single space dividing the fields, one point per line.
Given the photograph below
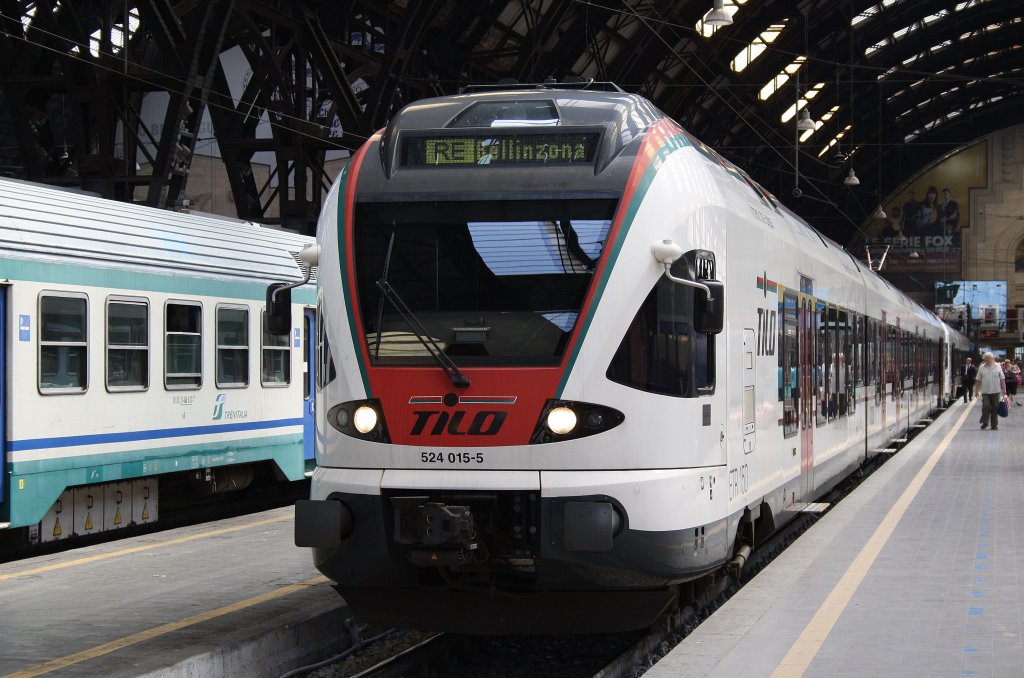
x=991 y=388
x=1012 y=374
x=968 y=373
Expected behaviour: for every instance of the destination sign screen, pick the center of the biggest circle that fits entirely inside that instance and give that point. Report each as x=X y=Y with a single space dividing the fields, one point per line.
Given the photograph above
x=499 y=149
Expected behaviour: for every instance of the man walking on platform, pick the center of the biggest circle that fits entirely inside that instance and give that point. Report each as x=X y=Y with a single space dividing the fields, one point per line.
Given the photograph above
x=967 y=375
x=991 y=389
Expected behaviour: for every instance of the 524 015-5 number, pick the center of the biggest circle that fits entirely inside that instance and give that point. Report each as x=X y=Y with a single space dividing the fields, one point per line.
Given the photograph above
x=452 y=457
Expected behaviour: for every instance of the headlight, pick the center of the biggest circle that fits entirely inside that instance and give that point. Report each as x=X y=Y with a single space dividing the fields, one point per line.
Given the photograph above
x=561 y=420
x=365 y=419
x=566 y=420
x=360 y=419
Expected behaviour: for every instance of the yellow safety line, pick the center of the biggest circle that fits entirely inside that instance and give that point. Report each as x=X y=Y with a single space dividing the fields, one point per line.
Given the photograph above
x=806 y=647
x=170 y=627
x=137 y=549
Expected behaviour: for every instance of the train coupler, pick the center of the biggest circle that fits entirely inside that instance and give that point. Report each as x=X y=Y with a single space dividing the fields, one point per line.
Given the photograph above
x=433 y=524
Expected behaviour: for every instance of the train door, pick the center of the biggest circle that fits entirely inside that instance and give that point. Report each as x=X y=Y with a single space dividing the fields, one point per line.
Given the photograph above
x=309 y=385
x=749 y=401
x=808 y=396
x=883 y=382
x=899 y=344
x=3 y=398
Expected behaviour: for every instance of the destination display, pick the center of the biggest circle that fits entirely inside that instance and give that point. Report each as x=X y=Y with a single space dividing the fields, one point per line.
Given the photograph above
x=499 y=149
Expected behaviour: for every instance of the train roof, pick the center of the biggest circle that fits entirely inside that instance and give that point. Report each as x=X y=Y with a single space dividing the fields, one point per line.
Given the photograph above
x=44 y=223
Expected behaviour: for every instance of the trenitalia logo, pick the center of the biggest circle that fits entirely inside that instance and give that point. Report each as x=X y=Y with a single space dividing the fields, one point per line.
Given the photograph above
x=218 y=409
x=220 y=413
x=484 y=423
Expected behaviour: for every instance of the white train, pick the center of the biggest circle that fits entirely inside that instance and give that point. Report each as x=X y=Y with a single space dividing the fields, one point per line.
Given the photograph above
x=572 y=359
x=134 y=354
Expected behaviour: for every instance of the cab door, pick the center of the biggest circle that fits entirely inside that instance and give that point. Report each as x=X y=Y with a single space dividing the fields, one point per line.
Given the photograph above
x=309 y=384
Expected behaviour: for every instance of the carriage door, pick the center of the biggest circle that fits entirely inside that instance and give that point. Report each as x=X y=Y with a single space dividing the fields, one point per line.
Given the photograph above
x=3 y=395
x=309 y=383
x=884 y=377
x=900 y=345
x=808 y=396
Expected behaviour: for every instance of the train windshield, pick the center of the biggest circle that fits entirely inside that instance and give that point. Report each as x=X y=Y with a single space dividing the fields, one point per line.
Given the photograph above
x=489 y=282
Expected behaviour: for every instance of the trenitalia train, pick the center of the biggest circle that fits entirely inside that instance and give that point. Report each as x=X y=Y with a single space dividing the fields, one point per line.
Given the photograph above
x=571 y=359
x=137 y=363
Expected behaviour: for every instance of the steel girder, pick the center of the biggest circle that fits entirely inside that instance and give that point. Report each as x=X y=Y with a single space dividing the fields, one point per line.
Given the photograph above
x=890 y=72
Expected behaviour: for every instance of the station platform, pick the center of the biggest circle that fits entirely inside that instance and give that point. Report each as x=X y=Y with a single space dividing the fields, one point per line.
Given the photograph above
x=229 y=598
x=917 y=572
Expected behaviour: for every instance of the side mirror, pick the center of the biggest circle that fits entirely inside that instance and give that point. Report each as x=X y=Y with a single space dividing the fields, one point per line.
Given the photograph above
x=709 y=316
x=279 y=309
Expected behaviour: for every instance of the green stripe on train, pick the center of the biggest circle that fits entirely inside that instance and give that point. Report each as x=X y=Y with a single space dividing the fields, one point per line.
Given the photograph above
x=35 y=485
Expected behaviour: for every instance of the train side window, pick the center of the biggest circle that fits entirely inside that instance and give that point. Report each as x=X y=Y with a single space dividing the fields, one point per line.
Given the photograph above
x=127 y=344
x=789 y=361
x=277 y=357
x=821 y=364
x=325 y=370
x=842 y=362
x=232 y=346
x=183 y=345
x=661 y=352
x=63 y=343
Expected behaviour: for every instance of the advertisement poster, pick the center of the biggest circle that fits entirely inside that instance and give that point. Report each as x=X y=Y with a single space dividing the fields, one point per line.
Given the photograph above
x=927 y=217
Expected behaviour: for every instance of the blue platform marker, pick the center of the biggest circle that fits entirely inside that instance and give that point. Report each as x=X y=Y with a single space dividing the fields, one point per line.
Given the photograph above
x=977 y=594
x=982 y=556
x=979 y=580
x=969 y=650
x=981 y=566
x=975 y=611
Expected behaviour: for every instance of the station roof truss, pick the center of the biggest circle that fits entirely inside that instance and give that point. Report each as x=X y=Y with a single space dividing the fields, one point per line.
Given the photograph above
x=893 y=84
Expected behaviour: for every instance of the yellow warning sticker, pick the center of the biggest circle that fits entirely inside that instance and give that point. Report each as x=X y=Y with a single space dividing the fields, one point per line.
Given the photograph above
x=145 y=510
x=56 y=528
x=88 y=521
x=117 y=516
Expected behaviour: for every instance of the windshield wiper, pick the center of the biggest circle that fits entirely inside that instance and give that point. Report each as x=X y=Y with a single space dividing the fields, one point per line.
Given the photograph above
x=388 y=292
x=450 y=368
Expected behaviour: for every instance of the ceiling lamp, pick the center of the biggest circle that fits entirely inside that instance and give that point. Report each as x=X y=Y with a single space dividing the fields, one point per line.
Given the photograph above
x=838 y=158
x=879 y=213
x=805 y=124
x=851 y=179
x=718 y=16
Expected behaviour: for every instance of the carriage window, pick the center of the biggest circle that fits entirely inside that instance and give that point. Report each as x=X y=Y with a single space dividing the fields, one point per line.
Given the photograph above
x=183 y=364
x=277 y=355
x=661 y=352
x=127 y=345
x=63 y=348
x=232 y=346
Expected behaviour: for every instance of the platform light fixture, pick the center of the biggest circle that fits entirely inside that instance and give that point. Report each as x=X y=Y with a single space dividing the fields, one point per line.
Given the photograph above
x=804 y=124
x=879 y=213
x=718 y=16
x=851 y=179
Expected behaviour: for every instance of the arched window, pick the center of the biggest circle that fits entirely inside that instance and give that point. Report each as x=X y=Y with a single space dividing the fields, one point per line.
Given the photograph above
x=1018 y=258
